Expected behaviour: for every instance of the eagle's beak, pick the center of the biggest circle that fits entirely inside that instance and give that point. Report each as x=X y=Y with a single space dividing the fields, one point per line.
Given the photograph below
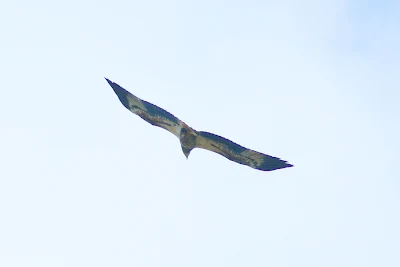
x=187 y=155
x=186 y=152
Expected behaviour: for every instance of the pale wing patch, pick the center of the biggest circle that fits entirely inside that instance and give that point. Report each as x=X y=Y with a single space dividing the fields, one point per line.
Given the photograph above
x=155 y=118
x=254 y=158
x=134 y=102
x=173 y=128
x=204 y=143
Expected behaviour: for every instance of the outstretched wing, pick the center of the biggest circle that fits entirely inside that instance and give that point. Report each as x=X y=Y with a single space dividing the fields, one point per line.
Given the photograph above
x=147 y=111
x=238 y=153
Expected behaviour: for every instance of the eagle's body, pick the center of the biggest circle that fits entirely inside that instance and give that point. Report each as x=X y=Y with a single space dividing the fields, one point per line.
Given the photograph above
x=190 y=138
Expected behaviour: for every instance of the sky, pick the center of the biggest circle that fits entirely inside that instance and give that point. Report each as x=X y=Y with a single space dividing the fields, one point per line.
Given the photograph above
x=84 y=182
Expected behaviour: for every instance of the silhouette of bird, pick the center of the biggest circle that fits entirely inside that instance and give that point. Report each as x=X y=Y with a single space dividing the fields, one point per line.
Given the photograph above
x=190 y=138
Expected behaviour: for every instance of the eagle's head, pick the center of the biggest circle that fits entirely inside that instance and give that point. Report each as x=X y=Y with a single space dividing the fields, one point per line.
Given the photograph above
x=186 y=151
x=188 y=141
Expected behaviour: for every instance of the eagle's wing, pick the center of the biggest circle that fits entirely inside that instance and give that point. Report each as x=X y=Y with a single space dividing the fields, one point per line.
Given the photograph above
x=147 y=111
x=238 y=153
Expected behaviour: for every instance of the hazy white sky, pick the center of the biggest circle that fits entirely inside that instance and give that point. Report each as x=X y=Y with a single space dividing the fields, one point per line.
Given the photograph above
x=83 y=182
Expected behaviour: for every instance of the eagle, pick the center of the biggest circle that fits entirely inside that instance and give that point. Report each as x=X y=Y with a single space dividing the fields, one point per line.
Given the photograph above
x=190 y=138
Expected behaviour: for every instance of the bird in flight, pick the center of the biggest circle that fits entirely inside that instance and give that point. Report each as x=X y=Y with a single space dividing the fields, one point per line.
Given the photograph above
x=190 y=138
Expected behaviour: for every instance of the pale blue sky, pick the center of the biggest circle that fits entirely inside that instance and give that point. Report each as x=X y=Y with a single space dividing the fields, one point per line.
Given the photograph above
x=86 y=183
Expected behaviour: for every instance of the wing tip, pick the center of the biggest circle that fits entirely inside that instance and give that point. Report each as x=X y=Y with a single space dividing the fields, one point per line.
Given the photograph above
x=276 y=165
x=120 y=92
x=109 y=82
x=283 y=166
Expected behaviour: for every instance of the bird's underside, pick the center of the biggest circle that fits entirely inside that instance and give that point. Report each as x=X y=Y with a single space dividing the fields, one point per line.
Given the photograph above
x=191 y=138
